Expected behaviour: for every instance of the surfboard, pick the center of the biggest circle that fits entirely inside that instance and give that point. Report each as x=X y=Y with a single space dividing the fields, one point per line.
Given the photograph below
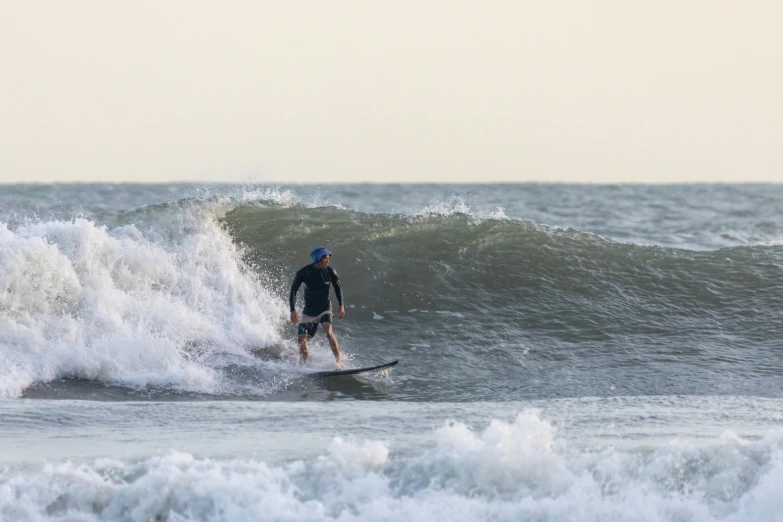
x=353 y=371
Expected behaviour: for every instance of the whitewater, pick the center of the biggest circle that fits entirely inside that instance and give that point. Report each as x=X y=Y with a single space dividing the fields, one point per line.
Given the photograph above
x=567 y=353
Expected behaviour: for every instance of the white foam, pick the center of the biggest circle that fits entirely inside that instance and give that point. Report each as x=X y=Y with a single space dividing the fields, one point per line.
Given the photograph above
x=514 y=471
x=125 y=305
x=457 y=205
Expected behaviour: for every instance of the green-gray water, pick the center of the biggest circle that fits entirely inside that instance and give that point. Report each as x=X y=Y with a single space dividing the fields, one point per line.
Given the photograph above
x=567 y=352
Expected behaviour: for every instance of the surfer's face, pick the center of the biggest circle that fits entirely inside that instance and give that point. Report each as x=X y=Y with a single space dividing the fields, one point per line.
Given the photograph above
x=323 y=262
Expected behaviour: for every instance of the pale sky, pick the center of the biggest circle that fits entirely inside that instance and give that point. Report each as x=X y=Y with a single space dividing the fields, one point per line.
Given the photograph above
x=404 y=91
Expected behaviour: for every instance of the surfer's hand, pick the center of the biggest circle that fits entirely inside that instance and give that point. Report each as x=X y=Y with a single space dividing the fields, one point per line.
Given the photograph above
x=341 y=312
x=294 y=317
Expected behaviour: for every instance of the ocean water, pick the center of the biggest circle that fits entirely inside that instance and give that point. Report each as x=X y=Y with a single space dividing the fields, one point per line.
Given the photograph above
x=587 y=353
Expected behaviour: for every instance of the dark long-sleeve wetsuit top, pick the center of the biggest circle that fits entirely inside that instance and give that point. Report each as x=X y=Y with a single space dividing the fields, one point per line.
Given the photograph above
x=317 y=283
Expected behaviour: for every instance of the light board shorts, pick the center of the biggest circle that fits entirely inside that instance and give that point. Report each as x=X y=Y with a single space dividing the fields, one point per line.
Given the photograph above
x=308 y=325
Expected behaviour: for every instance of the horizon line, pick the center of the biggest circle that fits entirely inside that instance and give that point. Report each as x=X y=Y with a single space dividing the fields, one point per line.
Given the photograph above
x=295 y=183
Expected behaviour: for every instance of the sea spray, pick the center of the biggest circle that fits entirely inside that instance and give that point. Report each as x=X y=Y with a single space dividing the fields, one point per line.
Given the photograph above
x=133 y=305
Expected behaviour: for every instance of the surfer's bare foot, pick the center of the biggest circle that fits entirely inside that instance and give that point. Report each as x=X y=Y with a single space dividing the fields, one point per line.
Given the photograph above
x=339 y=365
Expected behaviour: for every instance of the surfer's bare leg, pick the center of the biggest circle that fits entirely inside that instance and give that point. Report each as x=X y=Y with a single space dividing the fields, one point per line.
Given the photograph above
x=333 y=344
x=302 y=349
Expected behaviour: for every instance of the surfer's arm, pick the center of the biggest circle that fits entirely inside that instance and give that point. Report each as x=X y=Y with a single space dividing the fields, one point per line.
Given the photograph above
x=294 y=289
x=292 y=297
x=338 y=291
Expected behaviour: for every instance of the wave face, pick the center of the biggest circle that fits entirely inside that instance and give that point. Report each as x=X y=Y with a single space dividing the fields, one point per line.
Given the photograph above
x=517 y=307
x=507 y=471
x=180 y=290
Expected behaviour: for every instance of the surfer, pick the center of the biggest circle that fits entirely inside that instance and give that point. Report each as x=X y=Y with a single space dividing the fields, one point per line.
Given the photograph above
x=317 y=278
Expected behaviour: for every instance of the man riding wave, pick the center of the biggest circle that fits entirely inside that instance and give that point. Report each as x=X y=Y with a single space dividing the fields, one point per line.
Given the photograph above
x=317 y=278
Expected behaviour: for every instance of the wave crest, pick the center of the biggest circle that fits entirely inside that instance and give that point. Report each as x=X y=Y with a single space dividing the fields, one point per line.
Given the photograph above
x=124 y=304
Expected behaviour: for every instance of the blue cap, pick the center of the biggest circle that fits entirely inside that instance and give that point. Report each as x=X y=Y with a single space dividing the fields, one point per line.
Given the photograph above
x=318 y=252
